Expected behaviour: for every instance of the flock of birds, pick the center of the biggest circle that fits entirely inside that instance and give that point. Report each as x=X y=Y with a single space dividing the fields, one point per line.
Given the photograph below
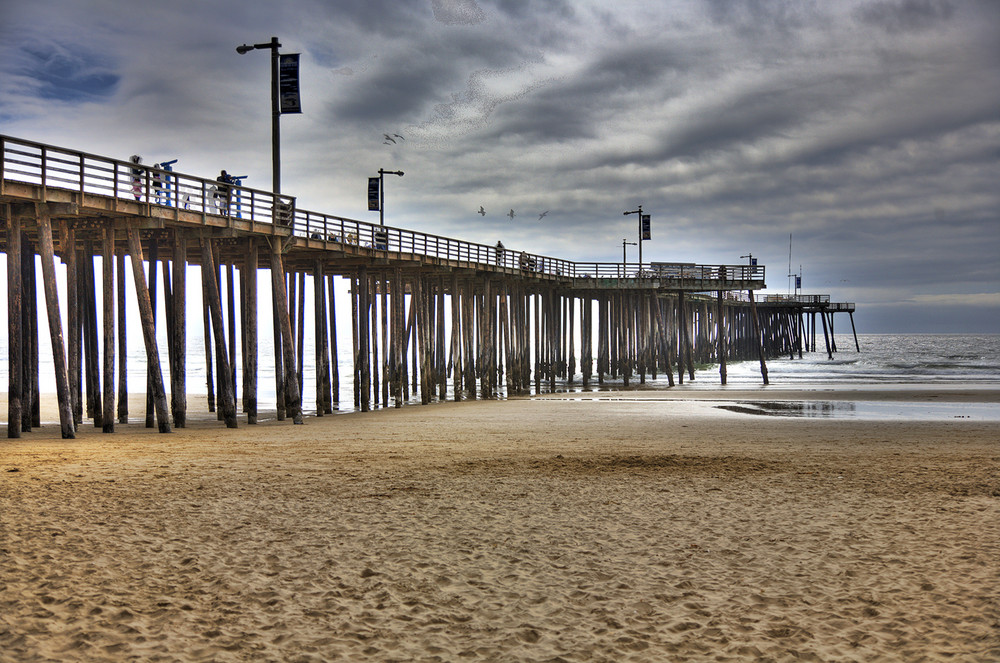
x=390 y=139
x=510 y=215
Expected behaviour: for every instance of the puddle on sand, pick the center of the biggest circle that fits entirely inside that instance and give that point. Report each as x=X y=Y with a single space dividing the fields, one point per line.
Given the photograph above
x=882 y=410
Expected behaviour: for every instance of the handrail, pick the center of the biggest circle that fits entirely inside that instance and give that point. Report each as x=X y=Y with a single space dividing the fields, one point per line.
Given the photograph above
x=80 y=172
x=55 y=167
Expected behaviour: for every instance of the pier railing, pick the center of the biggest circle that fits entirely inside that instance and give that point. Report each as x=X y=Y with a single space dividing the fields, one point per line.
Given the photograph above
x=51 y=167
x=57 y=168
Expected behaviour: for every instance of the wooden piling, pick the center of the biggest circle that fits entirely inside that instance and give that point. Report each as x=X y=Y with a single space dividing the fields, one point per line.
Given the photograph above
x=249 y=309
x=178 y=331
x=227 y=397
x=148 y=332
x=292 y=394
x=122 y=339
x=15 y=371
x=47 y=250
x=107 y=262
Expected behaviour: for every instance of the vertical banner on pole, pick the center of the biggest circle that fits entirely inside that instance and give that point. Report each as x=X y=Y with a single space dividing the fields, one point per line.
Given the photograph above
x=373 y=183
x=644 y=226
x=288 y=83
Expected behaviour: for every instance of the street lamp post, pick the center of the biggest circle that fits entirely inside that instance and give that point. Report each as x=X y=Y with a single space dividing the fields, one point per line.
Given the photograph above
x=625 y=243
x=274 y=45
x=639 y=212
x=381 y=192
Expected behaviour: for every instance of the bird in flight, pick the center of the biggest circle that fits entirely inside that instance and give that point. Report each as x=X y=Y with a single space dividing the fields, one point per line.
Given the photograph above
x=389 y=139
x=510 y=214
x=542 y=215
x=482 y=212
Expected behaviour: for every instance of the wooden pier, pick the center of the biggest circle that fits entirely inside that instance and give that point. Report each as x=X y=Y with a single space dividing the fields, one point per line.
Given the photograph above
x=432 y=317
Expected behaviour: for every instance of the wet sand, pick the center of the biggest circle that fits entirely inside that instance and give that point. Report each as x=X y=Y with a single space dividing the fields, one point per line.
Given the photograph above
x=545 y=529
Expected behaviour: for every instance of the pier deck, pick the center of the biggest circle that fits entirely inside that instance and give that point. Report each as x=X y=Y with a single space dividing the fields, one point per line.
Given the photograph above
x=425 y=308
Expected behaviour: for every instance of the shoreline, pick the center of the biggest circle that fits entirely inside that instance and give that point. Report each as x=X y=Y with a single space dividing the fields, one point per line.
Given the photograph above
x=913 y=394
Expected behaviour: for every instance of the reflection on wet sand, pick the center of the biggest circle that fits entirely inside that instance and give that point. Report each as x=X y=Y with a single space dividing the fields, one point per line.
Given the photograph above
x=793 y=408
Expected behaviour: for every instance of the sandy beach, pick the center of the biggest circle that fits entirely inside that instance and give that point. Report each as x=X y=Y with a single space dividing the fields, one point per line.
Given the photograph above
x=554 y=528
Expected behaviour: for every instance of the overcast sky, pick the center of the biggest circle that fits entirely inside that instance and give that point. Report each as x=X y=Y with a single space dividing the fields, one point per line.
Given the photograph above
x=868 y=130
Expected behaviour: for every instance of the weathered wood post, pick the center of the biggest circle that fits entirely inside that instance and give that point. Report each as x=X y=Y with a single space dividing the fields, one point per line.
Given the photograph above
x=721 y=337
x=178 y=330
x=47 y=250
x=227 y=396
x=248 y=308
x=15 y=372
x=334 y=358
x=757 y=336
x=122 y=340
x=154 y=259
x=108 y=269
x=292 y=393
x=322 y=357
x=148 y=332
x=73 y=322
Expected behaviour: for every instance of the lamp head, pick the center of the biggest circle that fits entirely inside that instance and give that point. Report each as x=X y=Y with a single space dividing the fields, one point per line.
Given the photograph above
x=244 y=49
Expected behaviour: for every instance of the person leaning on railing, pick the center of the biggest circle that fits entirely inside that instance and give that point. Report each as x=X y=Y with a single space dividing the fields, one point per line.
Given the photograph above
x=224 y=191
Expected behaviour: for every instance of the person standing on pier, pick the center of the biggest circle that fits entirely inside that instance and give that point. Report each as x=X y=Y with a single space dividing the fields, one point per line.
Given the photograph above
x=136 y=176
x=223 y=191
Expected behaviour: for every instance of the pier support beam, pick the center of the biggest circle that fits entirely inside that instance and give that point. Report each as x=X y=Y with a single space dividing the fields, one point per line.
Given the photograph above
x=148 y=331
x=178 y=330
x=293 y=397
x=248 y=307
x=15 y=371
x=227 y=394
x=108 y=271
x=55 y=321
x=757 y=336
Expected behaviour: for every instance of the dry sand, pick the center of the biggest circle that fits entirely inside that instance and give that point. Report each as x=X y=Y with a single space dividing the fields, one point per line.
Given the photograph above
x=549 y=529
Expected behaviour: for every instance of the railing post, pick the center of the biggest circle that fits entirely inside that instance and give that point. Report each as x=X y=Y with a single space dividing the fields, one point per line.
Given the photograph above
x=45 y=176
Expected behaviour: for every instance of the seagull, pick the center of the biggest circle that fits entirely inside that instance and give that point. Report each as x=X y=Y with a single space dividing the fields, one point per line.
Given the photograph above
x=389 y=139
x=399 y=137
x=511 y=215
x=482 y=212
x=542 y=215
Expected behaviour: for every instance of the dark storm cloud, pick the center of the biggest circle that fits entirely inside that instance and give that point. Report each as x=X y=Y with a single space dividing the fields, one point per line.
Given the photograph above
x=537 y=10
x=866 y=128
x=757 y=16
x=66 y=75
x=905 y=15
x=457 y=12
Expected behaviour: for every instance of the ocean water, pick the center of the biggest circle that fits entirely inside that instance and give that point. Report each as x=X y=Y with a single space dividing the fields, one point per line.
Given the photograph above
x=940 y=361
x=885 y=361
